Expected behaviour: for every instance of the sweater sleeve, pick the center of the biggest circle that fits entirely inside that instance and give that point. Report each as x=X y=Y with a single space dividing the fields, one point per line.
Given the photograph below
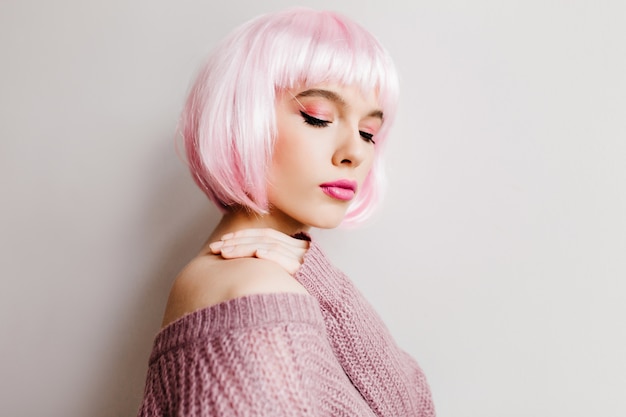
x=259 y=355
x=390 y=381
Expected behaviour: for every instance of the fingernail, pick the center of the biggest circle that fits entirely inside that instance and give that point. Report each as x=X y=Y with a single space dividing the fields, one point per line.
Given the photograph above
x=227 y=236
x=227 y=249
x=216 y=245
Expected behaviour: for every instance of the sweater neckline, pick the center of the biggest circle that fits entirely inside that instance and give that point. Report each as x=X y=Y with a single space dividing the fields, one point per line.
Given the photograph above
x=240 y=313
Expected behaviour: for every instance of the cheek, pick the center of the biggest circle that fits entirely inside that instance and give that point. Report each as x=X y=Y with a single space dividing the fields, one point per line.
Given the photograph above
x=290 y=156
x=285 y=155
x=299 y=146
x=368 y=162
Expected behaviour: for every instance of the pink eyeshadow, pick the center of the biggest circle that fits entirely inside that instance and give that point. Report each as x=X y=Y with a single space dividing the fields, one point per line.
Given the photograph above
x=317 y=111
x=372 y=128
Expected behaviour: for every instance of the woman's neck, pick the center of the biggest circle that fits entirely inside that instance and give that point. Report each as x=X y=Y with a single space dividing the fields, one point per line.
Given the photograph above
x=241 y=219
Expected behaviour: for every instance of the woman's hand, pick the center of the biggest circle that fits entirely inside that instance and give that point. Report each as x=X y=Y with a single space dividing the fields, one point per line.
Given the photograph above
x=269 y=244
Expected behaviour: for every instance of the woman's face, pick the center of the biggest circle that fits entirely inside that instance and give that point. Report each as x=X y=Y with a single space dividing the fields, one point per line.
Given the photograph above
x=323 y=153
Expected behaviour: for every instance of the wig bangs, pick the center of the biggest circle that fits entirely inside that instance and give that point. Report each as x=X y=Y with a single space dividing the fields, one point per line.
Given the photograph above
x=323 y=48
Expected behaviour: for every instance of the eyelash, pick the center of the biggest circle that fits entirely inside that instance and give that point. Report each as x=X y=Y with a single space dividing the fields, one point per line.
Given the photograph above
x=367 y=136
x=315 y=122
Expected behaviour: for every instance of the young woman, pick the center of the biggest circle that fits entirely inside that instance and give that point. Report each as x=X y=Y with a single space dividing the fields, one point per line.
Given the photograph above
x=284 y=129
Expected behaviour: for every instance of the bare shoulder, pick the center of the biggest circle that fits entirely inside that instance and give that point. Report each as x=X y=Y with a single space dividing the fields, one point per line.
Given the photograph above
x=208 y=280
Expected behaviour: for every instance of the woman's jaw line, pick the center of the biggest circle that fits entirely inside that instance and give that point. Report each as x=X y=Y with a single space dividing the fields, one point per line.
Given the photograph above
x=239 y=218
x=243 y=218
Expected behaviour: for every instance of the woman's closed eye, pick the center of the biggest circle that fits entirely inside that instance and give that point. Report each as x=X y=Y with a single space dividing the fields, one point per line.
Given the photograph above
x=369 y=137
x=314 y=121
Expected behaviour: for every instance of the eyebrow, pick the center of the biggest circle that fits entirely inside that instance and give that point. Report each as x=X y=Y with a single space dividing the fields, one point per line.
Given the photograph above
x=334 y=97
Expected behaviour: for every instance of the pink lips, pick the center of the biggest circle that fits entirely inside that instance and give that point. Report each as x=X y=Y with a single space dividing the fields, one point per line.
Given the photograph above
x=341 y=190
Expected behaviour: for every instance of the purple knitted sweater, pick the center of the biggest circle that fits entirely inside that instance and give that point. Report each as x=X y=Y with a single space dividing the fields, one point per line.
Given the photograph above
x=326 y=354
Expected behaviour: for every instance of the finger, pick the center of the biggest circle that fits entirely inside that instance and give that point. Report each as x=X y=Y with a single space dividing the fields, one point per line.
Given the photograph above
x=265 y=234
x=245 y=247
x=232 y=241
x=259 y=242
x=249 y=250
x=289 y=264
x=264 y=242
x=222 y=246
x=216 y=246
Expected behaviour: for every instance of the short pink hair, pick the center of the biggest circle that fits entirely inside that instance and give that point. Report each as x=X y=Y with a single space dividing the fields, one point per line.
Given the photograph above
x=229 y=125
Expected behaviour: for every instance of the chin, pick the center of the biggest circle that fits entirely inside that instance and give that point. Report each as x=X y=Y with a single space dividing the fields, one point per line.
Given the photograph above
x=326 y=220
x=319 y=216
x=326 y=225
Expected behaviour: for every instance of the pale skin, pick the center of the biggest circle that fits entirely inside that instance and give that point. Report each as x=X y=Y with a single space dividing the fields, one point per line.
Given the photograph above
x=325 y=133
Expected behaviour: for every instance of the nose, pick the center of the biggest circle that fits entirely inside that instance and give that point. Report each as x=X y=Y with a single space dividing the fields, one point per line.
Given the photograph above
x=351 y=149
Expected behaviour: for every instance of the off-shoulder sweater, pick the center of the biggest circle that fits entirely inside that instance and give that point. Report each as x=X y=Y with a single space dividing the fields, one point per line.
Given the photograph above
x=325 y=354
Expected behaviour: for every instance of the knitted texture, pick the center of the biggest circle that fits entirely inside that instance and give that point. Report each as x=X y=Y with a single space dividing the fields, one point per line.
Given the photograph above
x=324 y=354
x=389 y=380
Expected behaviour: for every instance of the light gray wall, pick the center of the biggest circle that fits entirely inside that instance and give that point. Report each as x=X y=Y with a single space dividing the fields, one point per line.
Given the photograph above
x=498 y=260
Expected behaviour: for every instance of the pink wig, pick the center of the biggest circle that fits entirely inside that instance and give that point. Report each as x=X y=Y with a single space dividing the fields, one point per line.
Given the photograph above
x=229 y=124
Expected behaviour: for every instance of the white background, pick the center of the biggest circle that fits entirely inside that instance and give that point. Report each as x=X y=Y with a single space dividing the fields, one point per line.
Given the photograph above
x=498 y=260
